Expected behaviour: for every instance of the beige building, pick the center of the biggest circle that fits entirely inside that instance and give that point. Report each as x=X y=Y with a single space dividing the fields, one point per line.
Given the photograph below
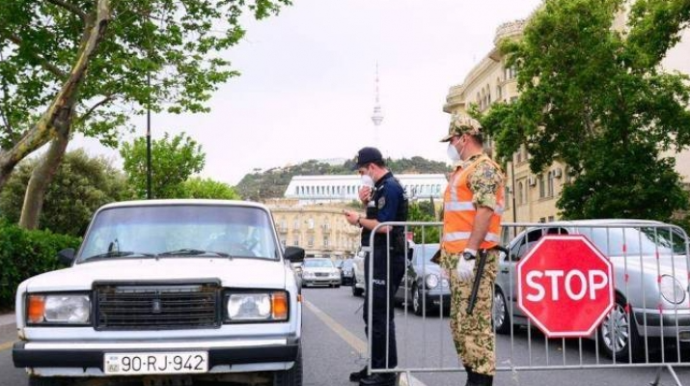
x=320 y=229
x=532 y=197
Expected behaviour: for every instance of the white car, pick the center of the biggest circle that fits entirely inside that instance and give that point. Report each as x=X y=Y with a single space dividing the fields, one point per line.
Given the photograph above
x=320 y=271
x=169 y=291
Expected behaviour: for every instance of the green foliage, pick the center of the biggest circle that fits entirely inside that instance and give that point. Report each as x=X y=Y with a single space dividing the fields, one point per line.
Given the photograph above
x=273 y=182
x=424 y=211
x=596 y=100
x=207 y=188
x=81 y=185
x=173 y=161
x=24 y=254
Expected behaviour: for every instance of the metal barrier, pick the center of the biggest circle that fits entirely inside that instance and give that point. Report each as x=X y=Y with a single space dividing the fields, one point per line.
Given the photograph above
x=648 y=326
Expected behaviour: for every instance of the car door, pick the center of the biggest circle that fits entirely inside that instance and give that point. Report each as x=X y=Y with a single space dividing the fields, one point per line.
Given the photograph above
x=408 y=279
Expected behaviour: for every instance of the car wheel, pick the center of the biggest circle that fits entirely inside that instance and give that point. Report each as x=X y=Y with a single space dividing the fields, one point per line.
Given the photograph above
x=501 y=316
x=417 y=301
x=618 y=336
x=292 y=377
x=41 y=381
x=337 y=286
x=357 y=292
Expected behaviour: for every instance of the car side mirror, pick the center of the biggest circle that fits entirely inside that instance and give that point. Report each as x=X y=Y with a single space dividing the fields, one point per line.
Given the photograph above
x=294 y=254
x=66 y=256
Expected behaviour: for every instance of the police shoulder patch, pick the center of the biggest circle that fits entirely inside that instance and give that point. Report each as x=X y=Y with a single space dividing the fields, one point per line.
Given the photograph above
x=382 y=202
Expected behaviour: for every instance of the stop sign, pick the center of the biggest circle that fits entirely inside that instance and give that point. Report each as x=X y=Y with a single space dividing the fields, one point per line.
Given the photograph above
x=565 y=286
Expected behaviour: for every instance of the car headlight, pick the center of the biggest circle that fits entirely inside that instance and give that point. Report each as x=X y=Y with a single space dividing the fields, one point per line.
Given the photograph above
x=335 y=274
x=307 y=274
x=431 y=280
x=59 y=309
x=671 y=289
x=257 y=306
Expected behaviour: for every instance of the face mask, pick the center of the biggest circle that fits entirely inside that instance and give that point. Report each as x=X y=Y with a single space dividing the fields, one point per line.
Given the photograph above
x=367 y=181
x=453 y=153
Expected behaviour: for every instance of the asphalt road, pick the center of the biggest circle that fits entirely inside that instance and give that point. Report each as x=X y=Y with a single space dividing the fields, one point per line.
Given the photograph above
x=334 y=340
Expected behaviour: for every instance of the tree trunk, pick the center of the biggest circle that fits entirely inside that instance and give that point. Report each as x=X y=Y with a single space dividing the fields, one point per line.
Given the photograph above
x=41 y=177
x=41 y=132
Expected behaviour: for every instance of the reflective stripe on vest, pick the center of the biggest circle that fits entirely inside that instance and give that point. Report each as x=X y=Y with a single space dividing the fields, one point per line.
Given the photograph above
x=467 y=206
x=456 y=236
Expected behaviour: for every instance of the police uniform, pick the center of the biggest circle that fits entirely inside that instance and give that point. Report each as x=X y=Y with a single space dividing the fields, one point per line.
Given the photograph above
x=388 y=202
x=476 y=182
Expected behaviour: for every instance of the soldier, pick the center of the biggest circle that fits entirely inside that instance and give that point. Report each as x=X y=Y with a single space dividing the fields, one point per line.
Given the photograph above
x=473 y=204
x=385 y=200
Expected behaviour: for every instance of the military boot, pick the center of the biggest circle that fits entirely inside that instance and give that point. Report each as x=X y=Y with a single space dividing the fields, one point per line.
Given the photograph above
x=357 y=375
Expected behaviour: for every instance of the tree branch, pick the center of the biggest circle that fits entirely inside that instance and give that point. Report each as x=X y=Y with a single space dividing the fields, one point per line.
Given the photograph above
x=53 y=69
x=93 y=108
x=70 y=7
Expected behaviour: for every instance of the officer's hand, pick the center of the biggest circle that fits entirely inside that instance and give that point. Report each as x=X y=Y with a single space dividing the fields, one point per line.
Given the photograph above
x=351 y=216
x=465 y=269
x=364 y=194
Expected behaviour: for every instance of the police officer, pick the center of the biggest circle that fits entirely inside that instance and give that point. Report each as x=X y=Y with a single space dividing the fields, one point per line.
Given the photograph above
x=473 y=204
x=385 y=201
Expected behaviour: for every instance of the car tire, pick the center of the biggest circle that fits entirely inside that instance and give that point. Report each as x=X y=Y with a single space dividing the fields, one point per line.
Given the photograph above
x=356 y=292
x=337 y=286
x=417 y=301
x=292 y=377
x=43 y=381
x=500 y=316
x=618 y=336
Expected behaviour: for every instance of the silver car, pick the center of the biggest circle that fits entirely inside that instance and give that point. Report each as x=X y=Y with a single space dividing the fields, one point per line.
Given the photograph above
x=320 y=271
x=651 y=265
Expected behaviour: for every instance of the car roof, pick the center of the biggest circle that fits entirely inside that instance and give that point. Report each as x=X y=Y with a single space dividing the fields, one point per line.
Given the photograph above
x=187 y=201
x=615 y=221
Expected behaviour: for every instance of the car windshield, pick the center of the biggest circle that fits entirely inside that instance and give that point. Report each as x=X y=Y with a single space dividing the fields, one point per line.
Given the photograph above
x=637 y=241
x=321 y=263
x=347 y=264
x=425 y=252
x=180 y=231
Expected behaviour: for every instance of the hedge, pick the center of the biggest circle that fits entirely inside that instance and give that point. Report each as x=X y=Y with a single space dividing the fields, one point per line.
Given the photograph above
x=24 y=254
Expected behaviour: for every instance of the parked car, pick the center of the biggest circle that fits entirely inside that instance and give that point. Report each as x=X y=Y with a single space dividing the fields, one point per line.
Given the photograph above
x=657 y=298
x=358 y=280
x=347 y=272
x=179 y=290
x=319 y=271
x=426 y=286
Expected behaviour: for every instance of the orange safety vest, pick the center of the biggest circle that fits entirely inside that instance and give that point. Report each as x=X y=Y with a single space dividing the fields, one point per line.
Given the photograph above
x=459 y=211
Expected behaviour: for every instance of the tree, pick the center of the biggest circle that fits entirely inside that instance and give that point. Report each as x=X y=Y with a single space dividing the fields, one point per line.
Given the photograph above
x=196 y=187
x=89 y=65
x=596 y=99
x=81 y=185
x=425 y=212
x=173 y=161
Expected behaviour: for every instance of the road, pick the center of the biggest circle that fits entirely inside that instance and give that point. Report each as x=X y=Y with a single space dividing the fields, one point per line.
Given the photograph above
x=334 y=338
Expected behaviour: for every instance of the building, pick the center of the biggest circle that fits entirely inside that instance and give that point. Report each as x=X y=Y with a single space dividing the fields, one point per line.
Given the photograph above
x=309 y=190
x=320 y=229
x=532 y=197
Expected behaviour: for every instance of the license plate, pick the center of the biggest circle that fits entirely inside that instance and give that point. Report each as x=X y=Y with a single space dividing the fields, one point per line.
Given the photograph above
x=156 y=363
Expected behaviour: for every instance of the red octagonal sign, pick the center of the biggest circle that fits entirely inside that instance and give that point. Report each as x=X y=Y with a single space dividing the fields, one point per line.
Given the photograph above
x=565 y=286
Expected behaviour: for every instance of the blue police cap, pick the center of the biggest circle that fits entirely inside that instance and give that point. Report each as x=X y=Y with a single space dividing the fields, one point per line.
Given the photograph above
x=367 y=155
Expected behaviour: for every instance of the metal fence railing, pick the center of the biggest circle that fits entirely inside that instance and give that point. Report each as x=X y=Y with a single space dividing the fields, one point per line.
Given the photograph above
x=647 y=326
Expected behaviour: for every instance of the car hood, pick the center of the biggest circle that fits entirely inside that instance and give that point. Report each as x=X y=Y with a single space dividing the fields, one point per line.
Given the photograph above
x=245 y=273
x=666 y=265
x=320 y=270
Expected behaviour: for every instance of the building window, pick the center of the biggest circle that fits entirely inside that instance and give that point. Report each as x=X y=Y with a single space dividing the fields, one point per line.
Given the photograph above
x=505 y=197
x=519 y=156
x=521 y=193
x=542 y=186
x=283 y=243
x=551 y=219
x=549 y=185
x=542 y=220
x=568 y=177
x=295 y=223
x=325 y=241
x=310 y=241
x=499 y=91
x=311 y=223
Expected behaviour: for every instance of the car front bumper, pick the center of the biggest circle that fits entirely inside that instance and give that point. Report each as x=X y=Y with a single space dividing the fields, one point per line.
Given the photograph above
x=669 y=324
x=87 y=358
x=321 y=281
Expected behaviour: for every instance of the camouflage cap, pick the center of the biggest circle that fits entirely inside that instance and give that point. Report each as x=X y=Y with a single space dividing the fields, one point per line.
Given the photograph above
x=462 y=124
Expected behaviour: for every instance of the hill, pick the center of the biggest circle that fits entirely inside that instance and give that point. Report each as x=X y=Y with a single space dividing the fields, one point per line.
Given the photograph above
x=272 y=183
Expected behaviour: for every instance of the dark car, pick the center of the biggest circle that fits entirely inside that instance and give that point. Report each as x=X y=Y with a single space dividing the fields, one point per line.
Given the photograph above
x=425 y=286
x=347 y=272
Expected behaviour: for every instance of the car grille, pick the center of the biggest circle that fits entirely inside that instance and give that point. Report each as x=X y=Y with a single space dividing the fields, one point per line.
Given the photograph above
x=320 y=274
x=157 y=307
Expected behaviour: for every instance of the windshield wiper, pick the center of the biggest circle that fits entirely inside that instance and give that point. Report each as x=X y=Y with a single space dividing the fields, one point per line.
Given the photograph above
x=192 y=252
x=119 y=254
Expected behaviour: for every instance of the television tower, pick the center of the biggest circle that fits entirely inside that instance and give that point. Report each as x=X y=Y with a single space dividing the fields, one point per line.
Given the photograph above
x=377 y=116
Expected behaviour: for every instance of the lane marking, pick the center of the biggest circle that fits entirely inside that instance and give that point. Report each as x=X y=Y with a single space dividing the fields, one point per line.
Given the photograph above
x=351 y=339
x=6 y=346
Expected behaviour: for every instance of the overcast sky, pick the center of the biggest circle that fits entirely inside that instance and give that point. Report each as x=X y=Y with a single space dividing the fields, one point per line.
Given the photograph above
x=307 y=84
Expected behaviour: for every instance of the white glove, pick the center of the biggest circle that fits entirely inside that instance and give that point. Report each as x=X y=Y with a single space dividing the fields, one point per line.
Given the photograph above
x=465 y=269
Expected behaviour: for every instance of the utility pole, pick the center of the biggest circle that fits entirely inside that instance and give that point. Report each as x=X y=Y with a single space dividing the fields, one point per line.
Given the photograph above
x=148 y=138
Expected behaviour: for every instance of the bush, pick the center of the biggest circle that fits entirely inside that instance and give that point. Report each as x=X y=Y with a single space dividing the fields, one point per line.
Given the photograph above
x=24 y=254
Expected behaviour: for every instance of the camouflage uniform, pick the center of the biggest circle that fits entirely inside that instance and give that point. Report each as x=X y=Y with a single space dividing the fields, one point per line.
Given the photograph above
x=473 y=335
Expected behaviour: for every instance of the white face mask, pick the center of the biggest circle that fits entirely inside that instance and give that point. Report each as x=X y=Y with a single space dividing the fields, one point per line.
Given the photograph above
x=367 y=181
x=453 y=153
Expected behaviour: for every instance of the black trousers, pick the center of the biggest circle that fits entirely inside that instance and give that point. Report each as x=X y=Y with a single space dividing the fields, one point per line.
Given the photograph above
x=383 y=321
